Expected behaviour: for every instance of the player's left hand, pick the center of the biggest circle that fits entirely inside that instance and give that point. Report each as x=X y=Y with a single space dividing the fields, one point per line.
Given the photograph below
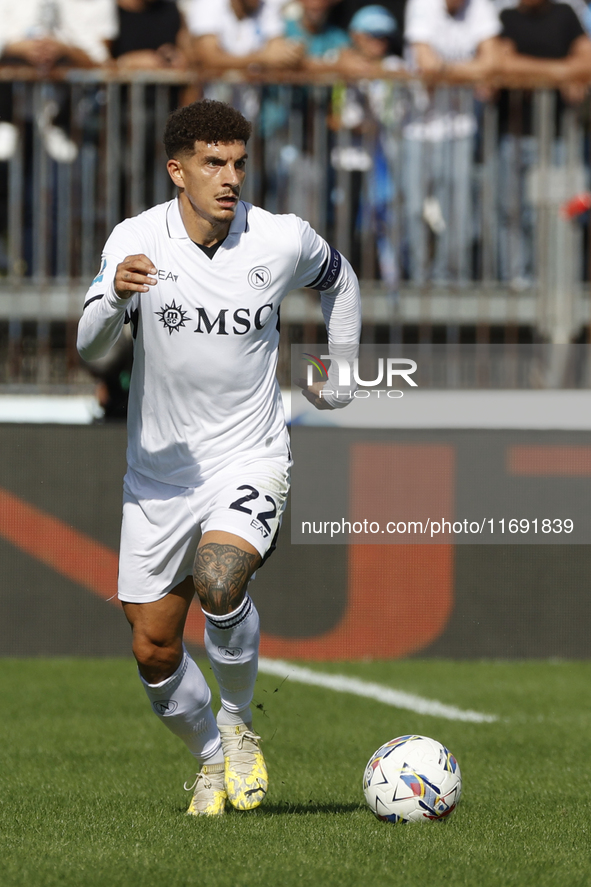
x=312 y=393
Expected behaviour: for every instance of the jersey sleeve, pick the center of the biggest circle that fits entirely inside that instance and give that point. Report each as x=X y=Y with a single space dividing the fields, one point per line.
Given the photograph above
x=312 y=257
x=105 y=313
x=323 y=268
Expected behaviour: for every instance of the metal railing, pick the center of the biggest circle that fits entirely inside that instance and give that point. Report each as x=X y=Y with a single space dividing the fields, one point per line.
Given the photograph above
x=448 y=207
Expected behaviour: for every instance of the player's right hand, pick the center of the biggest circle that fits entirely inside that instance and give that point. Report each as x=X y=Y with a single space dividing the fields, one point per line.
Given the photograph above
x=133 y=276
x=312 y=393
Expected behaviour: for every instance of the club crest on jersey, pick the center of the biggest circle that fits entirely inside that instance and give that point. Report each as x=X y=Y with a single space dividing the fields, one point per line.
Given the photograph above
x=172 y=316
x=259 y=278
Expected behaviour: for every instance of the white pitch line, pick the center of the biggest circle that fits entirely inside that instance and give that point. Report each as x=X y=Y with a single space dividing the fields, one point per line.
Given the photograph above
x=398 y=698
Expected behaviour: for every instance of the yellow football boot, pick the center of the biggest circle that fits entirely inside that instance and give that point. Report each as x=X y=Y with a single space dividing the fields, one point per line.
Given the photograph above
x=246 y=779
x=209 y=794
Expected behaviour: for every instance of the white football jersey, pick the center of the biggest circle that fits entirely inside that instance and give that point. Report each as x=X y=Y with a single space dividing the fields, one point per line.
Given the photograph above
x=203 y=388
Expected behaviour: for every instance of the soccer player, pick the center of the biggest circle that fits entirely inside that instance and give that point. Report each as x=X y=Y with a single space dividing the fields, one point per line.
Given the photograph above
x=201 y=279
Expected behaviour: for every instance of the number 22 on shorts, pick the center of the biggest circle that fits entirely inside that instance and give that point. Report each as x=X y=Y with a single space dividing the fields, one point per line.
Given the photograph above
x=260 y=520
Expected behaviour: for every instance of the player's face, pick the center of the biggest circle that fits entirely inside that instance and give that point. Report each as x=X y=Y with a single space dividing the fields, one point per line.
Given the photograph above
x=212 y=179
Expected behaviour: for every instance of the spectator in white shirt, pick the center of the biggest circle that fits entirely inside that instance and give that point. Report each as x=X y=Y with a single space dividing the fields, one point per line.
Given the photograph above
x=452 y=37
x=49 y=34
x=241 y=33
x=52 y=33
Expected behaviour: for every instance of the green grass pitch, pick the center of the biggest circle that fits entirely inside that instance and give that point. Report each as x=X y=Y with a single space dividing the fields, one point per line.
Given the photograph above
x=91 y=785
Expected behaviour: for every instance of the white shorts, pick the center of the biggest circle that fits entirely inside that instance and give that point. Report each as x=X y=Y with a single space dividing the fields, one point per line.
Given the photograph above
x=162 y=523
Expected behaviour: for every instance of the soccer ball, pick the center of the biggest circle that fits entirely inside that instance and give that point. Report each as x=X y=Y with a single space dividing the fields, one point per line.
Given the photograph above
x=412 y=779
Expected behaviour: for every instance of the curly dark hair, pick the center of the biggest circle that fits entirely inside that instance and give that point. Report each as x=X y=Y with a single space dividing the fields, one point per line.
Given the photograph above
x=204 y=121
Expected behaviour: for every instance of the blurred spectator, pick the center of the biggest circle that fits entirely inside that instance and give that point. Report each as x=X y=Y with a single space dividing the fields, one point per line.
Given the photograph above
x=240 y=33
x=151 y=35
x=453 y=39
x=545 y=39
x=342 y=13
x=53 y=33
x=372 y=30
x=322 y=41
x=49 y=34
x=329 y=47
x=579 y=6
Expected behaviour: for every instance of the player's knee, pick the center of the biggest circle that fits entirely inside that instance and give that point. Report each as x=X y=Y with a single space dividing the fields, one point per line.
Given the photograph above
x=220 y=605
x=221 y=574
x=156 y=660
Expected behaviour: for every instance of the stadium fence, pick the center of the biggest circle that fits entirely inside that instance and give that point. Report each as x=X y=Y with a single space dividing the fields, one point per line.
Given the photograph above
x=448 y=206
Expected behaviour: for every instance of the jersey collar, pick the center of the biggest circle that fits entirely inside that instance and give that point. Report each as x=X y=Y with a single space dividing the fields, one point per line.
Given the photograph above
x=174 y=222
x=240 y=223
x=177 y=231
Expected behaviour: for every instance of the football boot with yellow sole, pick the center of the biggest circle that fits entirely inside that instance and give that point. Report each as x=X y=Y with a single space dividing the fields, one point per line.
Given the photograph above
x=209 y=794
x=246 y=779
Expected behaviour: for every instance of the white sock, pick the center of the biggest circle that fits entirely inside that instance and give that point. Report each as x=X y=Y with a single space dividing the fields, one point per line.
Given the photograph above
x=182 y=702
x=232 y=645
x=231 y=718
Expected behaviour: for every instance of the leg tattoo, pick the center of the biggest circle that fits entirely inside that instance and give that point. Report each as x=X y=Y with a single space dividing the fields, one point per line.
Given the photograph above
x=221 y=574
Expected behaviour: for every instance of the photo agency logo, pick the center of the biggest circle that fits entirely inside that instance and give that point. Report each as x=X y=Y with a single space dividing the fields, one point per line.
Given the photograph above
x=347 y=382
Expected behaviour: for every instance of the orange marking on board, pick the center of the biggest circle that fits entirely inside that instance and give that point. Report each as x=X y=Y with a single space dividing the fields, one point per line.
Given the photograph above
x=59 y=546
x=399 y=596
x=535 y=460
